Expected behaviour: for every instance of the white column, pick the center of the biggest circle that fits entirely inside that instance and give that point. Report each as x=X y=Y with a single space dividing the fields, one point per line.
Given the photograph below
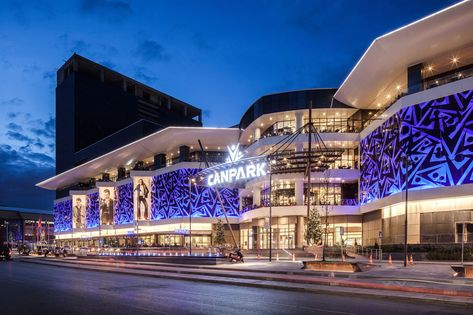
x=257 y=134
x=299 y=121
x=300 y=232
x=257 y=196
x=241 y=202
x=299 y=192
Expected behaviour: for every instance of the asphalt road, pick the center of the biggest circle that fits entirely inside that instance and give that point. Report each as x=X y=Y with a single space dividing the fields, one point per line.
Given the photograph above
x=36 y=289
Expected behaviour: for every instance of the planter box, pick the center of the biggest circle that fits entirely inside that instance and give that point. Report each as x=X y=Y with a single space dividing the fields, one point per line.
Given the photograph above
x=463 y=270
x=339 y=266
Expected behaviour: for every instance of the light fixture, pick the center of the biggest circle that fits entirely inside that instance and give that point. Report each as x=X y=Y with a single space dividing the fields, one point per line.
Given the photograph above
x=218 y=148
x=262 y=124
x=192 y=147
x=206 y=148
x=398 y=87
x=430 y=68
x=323 y=114
x=270 y=118
x=454 y=60
x=287 y=116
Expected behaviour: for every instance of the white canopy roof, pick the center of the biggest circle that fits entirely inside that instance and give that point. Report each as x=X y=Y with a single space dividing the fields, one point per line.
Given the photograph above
x=160 y=142
x=384 y=64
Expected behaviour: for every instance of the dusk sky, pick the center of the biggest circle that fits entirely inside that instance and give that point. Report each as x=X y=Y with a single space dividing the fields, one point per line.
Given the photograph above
x=217 y=55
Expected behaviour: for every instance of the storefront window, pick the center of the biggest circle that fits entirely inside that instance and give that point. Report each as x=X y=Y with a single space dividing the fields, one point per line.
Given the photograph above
x=280 y=128
x=324 y=194
x=283 y=194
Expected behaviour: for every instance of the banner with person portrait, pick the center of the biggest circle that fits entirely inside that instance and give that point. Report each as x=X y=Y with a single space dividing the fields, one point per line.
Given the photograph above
x=142 y=197
x=78 y=211
x=107 y=205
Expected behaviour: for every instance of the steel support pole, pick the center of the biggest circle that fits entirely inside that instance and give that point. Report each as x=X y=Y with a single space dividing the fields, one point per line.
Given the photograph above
x=190 y=216
x=270 y=215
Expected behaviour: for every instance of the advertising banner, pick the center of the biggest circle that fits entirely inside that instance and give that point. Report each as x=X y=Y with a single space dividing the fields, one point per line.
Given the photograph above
x=78 y=211
x=142 y=197
x=107 y=205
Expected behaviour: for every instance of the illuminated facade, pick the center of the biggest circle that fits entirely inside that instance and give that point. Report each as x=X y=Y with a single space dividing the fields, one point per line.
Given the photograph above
x=402 y=118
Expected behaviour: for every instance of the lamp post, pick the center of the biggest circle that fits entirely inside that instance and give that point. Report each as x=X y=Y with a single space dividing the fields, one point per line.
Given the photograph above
x=6 y=229
x=406 y=163
x=270 y=213
x=190 y=215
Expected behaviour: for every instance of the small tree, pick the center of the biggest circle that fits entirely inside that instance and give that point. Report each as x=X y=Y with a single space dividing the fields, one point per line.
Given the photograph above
x=219 y=238
x=313 y=234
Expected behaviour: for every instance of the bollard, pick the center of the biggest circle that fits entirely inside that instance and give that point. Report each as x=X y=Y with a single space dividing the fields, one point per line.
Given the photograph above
x=371 y=259
x=390 y=260
x=293 y=257
x=277 y=256
x=411 y=261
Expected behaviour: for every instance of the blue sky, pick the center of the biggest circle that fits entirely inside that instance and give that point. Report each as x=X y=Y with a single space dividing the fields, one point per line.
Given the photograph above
x=217 y=55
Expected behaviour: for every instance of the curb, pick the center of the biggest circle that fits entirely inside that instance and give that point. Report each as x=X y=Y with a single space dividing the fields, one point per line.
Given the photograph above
x=180 y=275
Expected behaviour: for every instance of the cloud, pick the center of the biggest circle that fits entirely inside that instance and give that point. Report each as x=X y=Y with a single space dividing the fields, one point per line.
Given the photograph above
x=150 y=50
x=13 y=101
x=110 y=10
x=201 y=43
x=80 y=46
x=20 y=172
x=46 y=129
x=14 y=127
x=108 y=64
x=140 y=74
x=14 y=135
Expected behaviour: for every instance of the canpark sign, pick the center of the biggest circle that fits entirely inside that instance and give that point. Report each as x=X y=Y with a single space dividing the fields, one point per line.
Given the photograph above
x=236 y=169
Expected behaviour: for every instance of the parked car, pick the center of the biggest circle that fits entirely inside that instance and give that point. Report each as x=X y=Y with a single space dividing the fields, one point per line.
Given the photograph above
x=5 y=252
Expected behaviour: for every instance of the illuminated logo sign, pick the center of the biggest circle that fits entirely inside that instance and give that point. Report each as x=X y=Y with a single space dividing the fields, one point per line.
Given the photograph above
x=234 y=153
x=236 y=169
x=232 y=174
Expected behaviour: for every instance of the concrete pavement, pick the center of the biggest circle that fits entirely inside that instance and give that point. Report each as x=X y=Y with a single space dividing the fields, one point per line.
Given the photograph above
x=289 y=276
x=40 y=289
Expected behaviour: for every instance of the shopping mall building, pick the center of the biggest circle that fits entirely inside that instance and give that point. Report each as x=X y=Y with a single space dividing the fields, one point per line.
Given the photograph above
x=402 y=119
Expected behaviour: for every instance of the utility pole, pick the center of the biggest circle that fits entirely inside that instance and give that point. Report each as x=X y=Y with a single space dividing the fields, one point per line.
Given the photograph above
x=190 y=215
x=309 y=156
x=270 y=214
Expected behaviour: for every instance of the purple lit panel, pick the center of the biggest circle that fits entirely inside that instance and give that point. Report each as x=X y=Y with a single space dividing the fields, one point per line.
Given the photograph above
x=438 y=137
x=92 y=212
x=170 y=197
x=63 y=216
x=123 y=213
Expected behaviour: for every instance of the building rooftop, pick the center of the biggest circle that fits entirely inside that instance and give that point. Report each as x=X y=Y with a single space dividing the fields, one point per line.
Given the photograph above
x=382 y=70
x=161 y=141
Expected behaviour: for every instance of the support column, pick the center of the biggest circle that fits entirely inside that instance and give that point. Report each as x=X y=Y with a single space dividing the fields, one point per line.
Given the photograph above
x=299 y=121
x=257 y=134
x=241 y=202
x=159 y=161
x=300 y=232
x=184 y=153
x=257 y=196
x=299 y=192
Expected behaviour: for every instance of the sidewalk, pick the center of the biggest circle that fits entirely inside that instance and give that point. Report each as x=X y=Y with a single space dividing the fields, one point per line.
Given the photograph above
x=288 y=276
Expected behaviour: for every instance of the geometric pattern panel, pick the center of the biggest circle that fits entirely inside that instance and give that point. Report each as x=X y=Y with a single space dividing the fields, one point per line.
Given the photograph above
x=170 y=197
x=124 y=204
x=437 y=137
x=63 y=216
x=92 y=211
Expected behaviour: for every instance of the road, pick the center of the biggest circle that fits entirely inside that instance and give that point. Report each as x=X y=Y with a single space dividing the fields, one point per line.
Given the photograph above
x=38 y=289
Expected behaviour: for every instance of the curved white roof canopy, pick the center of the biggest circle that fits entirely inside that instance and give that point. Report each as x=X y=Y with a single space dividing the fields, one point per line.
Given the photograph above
x=384 y=64
x=159 y=142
